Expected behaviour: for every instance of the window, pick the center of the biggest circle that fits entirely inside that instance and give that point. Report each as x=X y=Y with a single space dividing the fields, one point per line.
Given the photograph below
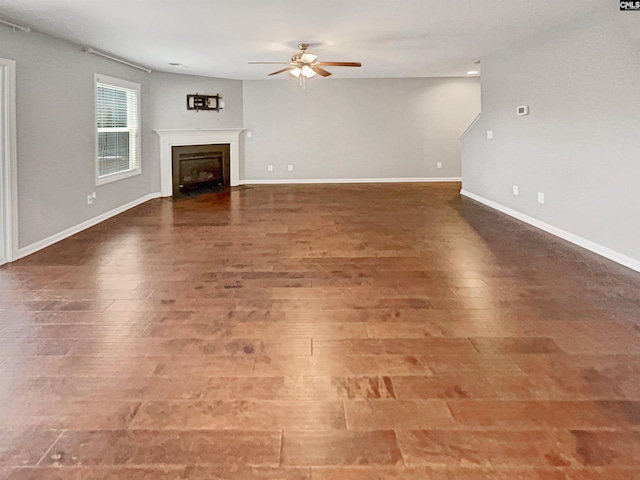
x=118 y=129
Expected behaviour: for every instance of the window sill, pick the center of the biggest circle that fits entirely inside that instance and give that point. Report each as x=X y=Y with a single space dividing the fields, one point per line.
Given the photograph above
x=114 y=177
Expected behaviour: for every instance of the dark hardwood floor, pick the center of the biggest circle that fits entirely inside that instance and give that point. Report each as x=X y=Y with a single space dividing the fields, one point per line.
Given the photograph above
x=343 y=332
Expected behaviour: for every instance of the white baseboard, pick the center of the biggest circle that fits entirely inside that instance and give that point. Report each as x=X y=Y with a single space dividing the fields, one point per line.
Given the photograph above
x=34 y=247
x=283 y=181
x=558 y=232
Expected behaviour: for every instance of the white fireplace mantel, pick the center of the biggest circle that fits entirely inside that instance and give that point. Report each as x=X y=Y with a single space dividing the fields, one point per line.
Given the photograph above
x=171 y=138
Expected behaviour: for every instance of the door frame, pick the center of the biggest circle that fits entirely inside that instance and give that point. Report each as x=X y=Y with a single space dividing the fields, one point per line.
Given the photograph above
x=8 y=163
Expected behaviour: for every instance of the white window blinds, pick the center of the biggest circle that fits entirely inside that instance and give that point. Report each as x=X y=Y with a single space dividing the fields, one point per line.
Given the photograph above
x=118 y=128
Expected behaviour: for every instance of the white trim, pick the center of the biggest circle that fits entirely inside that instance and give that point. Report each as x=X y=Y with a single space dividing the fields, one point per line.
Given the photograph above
x=117 y=82
x=34 y=247
x=9 y=159
x=137 y=89
x=287 y=181
x=170 y=138
x=558 y=232
x=114 y=177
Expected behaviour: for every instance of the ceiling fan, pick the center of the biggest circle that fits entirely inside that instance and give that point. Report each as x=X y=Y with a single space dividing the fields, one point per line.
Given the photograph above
x=305 y=65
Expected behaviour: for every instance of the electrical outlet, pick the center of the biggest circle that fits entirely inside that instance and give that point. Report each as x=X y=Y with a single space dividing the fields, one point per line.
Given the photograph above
x=89 y=199
x=490 y=134
x=540 y=197
x=439 y=164
x=270 y=168
x=516 y=190
x=290 y=167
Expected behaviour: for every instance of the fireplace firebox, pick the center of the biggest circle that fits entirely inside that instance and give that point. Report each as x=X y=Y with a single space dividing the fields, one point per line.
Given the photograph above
x=199 y=169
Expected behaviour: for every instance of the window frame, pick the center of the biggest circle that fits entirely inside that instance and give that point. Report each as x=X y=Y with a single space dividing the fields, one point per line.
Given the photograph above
x=125 y=84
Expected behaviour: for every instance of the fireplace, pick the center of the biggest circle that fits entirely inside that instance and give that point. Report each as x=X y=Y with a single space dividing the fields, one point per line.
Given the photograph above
x=173 y=138
x=199 y=169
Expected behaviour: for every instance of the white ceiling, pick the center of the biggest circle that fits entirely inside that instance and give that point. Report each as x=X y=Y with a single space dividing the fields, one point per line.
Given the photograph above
x=392 y=38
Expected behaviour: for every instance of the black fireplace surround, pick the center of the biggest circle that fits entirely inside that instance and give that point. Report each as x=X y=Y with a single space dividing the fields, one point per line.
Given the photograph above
x=199 y=169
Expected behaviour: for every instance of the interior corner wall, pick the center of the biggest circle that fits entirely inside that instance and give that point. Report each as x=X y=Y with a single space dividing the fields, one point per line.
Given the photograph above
x=580 y=143
x=356 y=128
x=169 y=102
x=168 y=99
x=56 y=136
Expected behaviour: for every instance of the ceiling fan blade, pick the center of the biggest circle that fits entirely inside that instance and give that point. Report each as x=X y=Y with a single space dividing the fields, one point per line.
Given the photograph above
x=320 y=71
x=269 y=63
x=280 y=71
x=340 y=64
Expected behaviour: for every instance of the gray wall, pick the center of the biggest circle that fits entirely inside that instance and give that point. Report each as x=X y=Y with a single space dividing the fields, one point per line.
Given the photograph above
x=580 y=145
x=383 y=128
x=56 y=135
x=169 y=99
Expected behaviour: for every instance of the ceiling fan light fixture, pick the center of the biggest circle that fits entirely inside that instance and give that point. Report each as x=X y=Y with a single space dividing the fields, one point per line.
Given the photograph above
x=307 y=72
x=308 y=58
x=305 y=65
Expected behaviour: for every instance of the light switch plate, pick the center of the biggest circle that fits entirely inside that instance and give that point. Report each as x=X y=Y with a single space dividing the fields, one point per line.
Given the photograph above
x=490 y=134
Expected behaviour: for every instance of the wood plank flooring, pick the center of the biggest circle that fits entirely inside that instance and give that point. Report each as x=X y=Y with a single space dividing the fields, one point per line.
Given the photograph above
x=333 y=332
